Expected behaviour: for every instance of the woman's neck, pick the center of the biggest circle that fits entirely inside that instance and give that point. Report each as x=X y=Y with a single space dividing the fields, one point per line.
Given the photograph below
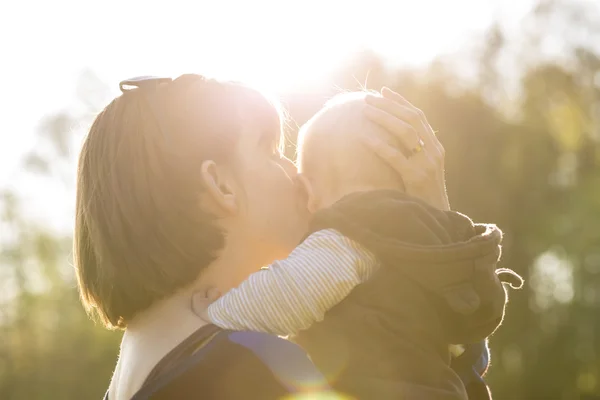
x=231 y=267
x=239 y=258
x=152 y=333
x=148 y=338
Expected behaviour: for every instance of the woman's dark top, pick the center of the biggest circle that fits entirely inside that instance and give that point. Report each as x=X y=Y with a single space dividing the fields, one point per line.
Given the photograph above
x=232 y=365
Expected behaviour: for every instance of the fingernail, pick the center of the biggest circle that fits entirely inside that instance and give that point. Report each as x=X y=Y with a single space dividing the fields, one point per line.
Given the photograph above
x=369 y=98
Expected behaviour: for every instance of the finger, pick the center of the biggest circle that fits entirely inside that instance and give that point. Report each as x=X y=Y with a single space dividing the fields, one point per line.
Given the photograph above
x=388 y=153
x=406 y=134
x=213 y=294
x=200 y=301
x=407 y=114
x=412 y=175
x=397 y=127
x=395 y=96
x=427 y=133
x=404 y=112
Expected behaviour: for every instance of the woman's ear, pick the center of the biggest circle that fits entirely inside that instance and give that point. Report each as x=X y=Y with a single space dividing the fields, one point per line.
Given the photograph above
x=312 y=200
x=218 y=187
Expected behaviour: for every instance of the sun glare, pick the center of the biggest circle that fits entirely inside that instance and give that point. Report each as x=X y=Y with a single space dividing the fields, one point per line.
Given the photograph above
x=276 y=46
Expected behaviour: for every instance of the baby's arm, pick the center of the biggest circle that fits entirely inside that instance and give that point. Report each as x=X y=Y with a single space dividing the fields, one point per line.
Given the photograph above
x=292 y=294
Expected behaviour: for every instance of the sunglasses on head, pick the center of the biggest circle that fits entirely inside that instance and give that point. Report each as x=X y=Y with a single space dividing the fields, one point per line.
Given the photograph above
x=142 y=82
x=148 y=85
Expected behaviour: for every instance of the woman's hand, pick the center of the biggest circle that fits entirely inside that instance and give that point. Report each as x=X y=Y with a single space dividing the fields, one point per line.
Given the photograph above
x=421 y=164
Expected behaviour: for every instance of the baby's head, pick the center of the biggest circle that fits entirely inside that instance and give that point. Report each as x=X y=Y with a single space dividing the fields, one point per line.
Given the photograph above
x=333 y=159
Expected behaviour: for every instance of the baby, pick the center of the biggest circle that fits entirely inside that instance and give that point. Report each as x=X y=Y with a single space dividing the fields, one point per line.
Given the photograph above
x=291 y=294
x=364 y=223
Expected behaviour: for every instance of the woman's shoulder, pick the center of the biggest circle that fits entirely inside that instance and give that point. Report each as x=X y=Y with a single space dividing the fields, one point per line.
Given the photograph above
x=239 y=365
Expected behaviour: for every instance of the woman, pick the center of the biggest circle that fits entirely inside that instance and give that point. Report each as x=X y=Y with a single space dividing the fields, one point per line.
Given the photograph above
x=182 y=187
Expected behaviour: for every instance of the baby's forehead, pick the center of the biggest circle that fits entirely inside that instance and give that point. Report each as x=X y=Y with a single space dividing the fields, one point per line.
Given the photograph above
x=332 y=139
x=342 y=120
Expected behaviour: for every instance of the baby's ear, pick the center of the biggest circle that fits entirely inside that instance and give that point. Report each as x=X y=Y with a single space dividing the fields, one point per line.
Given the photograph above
x=312 y=201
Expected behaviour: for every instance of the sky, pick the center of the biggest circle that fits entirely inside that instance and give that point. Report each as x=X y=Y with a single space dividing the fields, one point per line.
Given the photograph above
x=274 y=45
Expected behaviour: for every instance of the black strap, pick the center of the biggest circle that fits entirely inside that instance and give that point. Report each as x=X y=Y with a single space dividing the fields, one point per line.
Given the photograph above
x=186 y=348
x=177 y=361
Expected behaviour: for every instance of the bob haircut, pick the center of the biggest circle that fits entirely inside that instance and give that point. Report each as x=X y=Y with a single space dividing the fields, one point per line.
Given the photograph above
x=140 y=234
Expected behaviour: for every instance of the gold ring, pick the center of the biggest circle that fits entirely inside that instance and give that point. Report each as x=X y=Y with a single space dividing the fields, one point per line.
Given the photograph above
x=419 y=148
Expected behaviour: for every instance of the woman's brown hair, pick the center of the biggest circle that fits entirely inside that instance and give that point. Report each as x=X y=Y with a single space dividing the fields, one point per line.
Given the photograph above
x=140 y=233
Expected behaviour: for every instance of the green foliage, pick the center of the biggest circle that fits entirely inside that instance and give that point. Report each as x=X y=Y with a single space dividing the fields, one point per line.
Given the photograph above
x=49 y=348
x=535 y=173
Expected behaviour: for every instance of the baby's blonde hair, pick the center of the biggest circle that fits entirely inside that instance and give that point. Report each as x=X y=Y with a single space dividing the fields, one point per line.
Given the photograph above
x=331 y=153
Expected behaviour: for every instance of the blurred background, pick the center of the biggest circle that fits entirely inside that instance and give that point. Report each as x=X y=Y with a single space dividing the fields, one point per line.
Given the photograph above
x=513 y=87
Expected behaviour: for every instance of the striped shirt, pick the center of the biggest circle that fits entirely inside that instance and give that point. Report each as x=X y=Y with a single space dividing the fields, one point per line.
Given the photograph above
x=290 y=295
